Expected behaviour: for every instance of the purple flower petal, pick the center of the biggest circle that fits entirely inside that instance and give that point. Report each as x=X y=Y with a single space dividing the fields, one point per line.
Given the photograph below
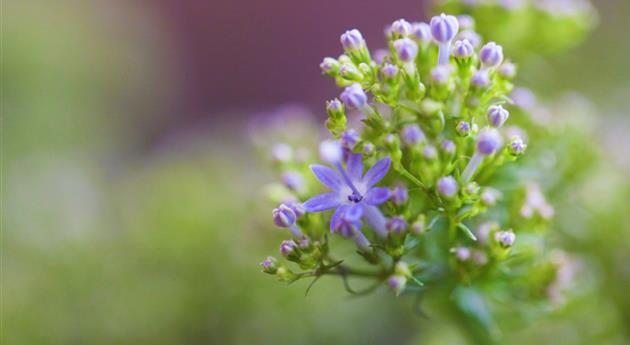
x=335 y=220
x=377 y=172
x=322 y=202
x=328 y=177
x=355 y=166
x=377 y=195
x=354 y=213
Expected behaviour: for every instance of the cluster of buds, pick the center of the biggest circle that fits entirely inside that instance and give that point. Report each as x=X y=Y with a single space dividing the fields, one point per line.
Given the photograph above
x=406 y=184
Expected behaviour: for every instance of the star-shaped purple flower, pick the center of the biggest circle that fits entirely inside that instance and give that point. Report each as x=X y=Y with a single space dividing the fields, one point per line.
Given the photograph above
x=353 y=194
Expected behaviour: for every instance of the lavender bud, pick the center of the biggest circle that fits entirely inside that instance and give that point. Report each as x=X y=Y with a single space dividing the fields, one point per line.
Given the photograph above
x=283 y=216
x=400 y=195
x=444 y=28
x=305 y=244
x=440 y=74
x=461 y=253
x=448 y=147
x=330 y=152
x=349 y=72
x=488 y=141
x=350 y=138
x=397 y=283
x=419 y=226
x=471 y=37
x=353 y=96
x=491 y=55
x=472 y=188
x=429 y=152
x=479 y=257
x=270 y=265
x=463 y=128
x=281 y=152
x=466 y=22
x=497 y=116
x=389 y=71
x=412 y=134
x=368 y=149
x=480 y=79
x=463 y=49
x=505 y=238
x=422 y=32
x=447 y=186
x=507 y=70
x=406 y=49
x=517 y=146
x=335 y=108
x=288 y=249
x=396 y=225
x=489 y=196
x=293 y=180
x=330 y=66
x=401 y=27
x=352 y=40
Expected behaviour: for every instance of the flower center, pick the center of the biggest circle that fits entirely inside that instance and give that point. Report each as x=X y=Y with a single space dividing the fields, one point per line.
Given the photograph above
x=355 y=197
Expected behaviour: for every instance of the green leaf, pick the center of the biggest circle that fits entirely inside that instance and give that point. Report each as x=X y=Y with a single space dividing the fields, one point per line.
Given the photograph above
x=467 y=231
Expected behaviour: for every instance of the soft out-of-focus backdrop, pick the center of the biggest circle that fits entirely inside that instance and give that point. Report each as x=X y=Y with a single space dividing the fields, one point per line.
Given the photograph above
x=132 y=207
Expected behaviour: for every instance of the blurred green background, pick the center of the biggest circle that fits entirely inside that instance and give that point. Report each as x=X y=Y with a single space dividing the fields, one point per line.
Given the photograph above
x=131 y=216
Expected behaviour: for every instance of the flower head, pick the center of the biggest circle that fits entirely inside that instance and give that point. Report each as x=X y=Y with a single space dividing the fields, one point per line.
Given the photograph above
x=447 y=186
x=497 y=116
x=353 y=194
x=401 y=27
x=488 y=141
x=406 y=49
x=421 y=32
x=412 y=134
x=352 y=40
x=491 y=55
x=463 y=49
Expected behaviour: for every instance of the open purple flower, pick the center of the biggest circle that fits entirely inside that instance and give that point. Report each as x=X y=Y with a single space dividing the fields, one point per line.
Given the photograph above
x=353 y=194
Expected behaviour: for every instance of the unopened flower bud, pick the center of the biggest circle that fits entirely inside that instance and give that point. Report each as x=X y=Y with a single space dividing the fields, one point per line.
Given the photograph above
x=368 y=149
x=466 y=22
x=489 y=196
x=350 y=138
x=505 y=238
x=429 y=152
x=471 y=37
x=440 y=74
x=335 y=108
x=270 y=265
x=517 y=146
x=401 y=28
x=479 y=257
x=444 y=28
x=289 y=249
x=389 y=71
x=397 y=283
x=330 y=66
x=330 y=151
x=422 y=32
x=447 y=186
x=448 y=147
x=491 y=55
x=293 y=180
x=472 y=188
x=480 y=79
x=507 y=70
x=352 y=40
x=296 y=207
x=400 y=195
x=463 y=49
x=406 y=49
x=488 y=141
x=419 y=226
x=380 y=55
x=461 y=253
x=283 y=216
x=497 y=116
x=349 y=72
x=463 y=128
x=396 y=225
x=412 y=134
x=353 y=96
